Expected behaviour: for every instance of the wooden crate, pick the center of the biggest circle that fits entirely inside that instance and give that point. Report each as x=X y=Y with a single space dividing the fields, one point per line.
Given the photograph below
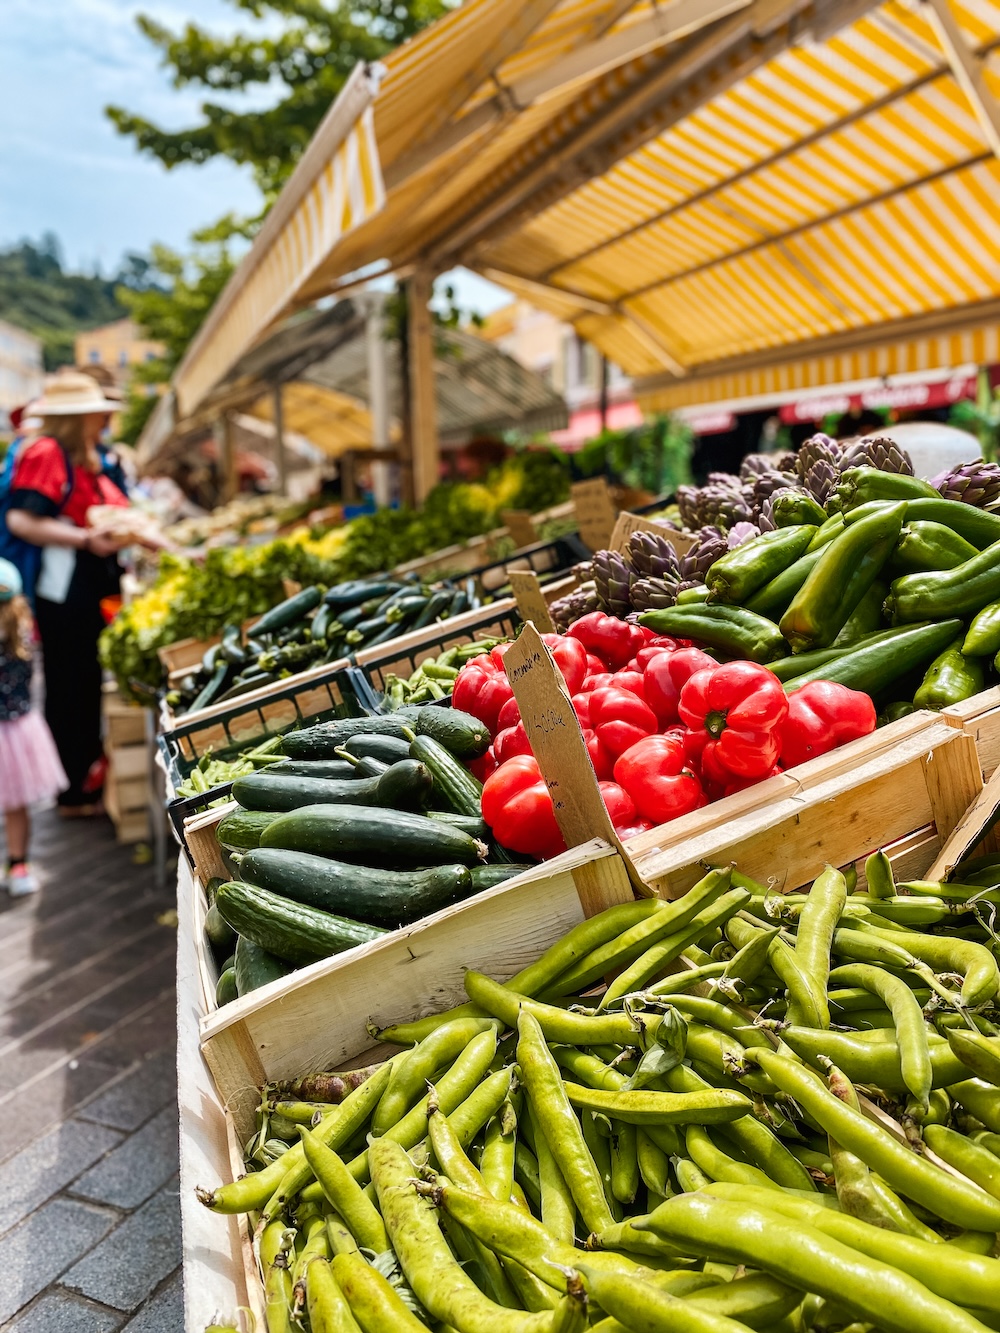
x=402 y=656
x=979 y=717
x=124 y=723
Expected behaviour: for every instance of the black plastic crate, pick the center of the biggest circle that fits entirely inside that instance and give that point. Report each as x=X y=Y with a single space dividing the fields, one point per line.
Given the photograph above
x=312 y=697
x=548 y=559
x=402 y=658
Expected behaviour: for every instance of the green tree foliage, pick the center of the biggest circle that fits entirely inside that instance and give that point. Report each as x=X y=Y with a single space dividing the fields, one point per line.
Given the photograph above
x=308 y=61
x=37 y=294
x=170 y=306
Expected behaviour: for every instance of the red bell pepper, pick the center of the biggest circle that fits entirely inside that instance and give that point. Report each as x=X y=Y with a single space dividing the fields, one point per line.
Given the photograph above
x=625 y=819
x=632 y=681
x=511 y=741
x=620 y=719
x=666 y=673
x=482 y=767
x=603 y=760
x=482 y=689
x=740 y=708
x=614 y=641
x=595 y=667
x=510 y=714
x=599 y=681
x=518 y=808
x=821 y=716
x=654 y=772
x=570 y=657
x=581 y=706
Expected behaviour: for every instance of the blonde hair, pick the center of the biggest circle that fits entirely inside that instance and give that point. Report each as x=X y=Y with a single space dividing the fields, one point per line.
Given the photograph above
x=17 y=627
x=69 y=431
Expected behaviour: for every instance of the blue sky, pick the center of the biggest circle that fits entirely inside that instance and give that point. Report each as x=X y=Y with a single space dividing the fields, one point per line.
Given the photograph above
x=63 y=168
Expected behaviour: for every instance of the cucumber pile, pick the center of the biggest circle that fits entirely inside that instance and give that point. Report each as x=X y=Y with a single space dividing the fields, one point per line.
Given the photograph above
x=366 y=825
x=314 y=626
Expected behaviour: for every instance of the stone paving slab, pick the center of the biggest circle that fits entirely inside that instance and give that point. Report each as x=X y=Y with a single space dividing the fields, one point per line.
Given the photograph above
x=89 y=1211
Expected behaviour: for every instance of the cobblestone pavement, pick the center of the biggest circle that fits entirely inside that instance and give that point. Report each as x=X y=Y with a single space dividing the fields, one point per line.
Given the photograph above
x=89 y=1216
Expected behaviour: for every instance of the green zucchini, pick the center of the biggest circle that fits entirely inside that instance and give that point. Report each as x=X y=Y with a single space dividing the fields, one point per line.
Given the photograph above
x=254 y=967
x=265 y=790
x=488 y=877
x=225 y=990
x=391 y=838
x=404 y=786
x=460 y=733
x=388 y=898
x=287 y=612
x=291 y=931
x=389 y=749
x=219 y=932
x=243 y=828
x=455 y=783
x=474 y=827
x=323 y=740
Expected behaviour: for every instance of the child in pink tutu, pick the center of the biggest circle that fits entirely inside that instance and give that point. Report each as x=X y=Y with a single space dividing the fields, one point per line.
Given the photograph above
x=30 y=770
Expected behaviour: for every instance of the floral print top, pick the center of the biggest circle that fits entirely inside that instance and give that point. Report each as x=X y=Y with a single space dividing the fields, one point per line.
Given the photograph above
x=15 y=686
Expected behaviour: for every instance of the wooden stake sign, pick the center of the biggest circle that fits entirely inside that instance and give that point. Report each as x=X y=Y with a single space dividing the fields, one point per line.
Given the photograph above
x=558 y=744
x=520 y=525
x=531 y=603
x=595 y=512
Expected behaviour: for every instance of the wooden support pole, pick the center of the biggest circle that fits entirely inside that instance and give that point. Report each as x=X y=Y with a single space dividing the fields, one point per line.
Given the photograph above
x=228 y=479
x=423 y=406
x=280 y=456
x=967 y=67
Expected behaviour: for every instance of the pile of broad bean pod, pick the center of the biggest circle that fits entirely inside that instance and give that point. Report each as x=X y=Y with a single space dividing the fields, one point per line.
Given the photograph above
x=783 y=1114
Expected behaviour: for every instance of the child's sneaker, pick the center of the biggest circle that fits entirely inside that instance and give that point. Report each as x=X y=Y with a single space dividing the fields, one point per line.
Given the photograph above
x=22 y=880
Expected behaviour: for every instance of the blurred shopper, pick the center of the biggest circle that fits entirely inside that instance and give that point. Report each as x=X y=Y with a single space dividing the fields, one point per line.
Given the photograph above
x=30 y=770
x=67 y=568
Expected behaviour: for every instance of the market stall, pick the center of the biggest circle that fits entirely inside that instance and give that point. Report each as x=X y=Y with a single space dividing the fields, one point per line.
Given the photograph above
x=755 y=1024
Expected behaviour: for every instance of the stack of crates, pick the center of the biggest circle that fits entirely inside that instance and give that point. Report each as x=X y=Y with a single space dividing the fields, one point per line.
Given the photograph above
x=126 y=787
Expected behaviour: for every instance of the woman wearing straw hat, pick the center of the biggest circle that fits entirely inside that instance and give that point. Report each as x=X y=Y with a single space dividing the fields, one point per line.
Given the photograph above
x=57 y=479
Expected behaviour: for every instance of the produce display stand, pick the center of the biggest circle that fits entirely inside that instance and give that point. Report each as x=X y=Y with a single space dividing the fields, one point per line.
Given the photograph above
x=465 y=556
x=316 y=1018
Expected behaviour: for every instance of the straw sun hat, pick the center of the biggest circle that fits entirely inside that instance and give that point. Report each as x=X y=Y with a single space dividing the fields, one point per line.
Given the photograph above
x=70 y=395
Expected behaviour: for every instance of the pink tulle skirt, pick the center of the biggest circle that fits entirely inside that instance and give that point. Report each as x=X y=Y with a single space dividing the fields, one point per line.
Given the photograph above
x=30 y=769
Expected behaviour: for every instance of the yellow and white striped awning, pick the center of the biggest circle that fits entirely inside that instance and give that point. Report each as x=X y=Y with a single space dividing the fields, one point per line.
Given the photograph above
x=337 y=185
x=704 y=188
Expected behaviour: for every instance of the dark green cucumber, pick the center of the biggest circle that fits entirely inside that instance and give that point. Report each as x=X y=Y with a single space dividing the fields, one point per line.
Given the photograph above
x=460 y=733
x=337 y=770
x=219 y=932
x=436 y=606
x=324 y=740
x=212 y=888
x=225 y=990
x=265 y=790
x=242 y=829
x=254 y=967
x=391 y=838
x=291 y=931
x=387 y=898
x=404 y=786
x=488 y=877
x=474 y=827
x=389 y=749
x=287 y=612
x=454 y=782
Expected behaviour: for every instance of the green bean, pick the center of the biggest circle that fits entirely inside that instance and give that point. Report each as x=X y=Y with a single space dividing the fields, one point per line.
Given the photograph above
x=649 y=964
x=597 y=1136
x=437 y=1280
x=878 y=873
x=726 y=1055
x=252 y=1192
x=975 y=1162
x=690 y=1178
x=274 y=1244
x=944 y=953
x=643 y=1309
x=678 y=982
x=556 y=1024
x=553 y=1115
x=957 y=1275
x=907 y=1017
x=814 y=937
x=558 y=1212
x=802 y=1255
x=713 y=1013
x=341 y=1240
x=526 y=1176
x=912 y=911
x=980 y=1100
x=950 y=1199
x=624 y=1162
x=595 y=1074
x=857 y=1193
x=329 y=1311
x=316 y=1245
x=654 y=1165
x=756 y=1301
x=461 y=1080
x=900 y=1217
x=745 y=965
x=718 y=1165
x=346 y=1196
x=470 y=1116
x=644 y=1107
x=497 y=1163
x=878 y=1062
x=958 y=893
x=804 y=995
x=300 y=1113
x=373 y=1302
x=987 y=1140
x=414 y=1069
x=615 y=953
x=979 y=1054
